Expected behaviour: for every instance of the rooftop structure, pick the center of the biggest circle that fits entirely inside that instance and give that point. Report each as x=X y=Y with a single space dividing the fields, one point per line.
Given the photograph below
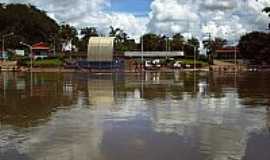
x=228 y=52
x=40 y=46
x=100 y=49
x=153 y=54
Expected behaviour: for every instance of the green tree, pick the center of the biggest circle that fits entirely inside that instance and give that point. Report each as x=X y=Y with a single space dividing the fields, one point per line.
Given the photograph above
x=67 y=33
x=164 y=43
x=28 y=23
x=177 y=43
x=255 y=47
x=151 y=42
x=267 y=10
x=194 y=41
x=122 y=41
x=119 y=34
x=87 y=32
x=114 y=31
x=189 y=47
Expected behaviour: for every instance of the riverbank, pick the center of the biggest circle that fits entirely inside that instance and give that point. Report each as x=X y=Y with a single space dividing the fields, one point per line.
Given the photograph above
x=214 y=68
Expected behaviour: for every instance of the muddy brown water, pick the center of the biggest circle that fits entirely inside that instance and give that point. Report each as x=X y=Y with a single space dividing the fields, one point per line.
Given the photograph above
x=152 y=116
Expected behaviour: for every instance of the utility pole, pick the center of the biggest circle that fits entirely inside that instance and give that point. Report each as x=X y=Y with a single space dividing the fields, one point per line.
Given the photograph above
x=3 y=45
x=31 y=54
x=235 y=55
x=210 y=55
x=170 y=43
x=166 y=44
x=194 y=54
x=54 y=46
x=142 y=51
x=195 y=50
x=3 y=41
x=54 y=49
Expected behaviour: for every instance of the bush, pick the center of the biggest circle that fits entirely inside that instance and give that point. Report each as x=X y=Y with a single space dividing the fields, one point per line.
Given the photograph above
x=44 y=63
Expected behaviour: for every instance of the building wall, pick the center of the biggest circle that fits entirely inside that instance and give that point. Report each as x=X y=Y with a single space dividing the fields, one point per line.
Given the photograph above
x=227 y=55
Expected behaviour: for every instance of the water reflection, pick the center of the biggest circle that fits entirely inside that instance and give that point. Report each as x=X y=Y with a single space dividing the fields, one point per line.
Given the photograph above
x=139 y=116
x=101 y=92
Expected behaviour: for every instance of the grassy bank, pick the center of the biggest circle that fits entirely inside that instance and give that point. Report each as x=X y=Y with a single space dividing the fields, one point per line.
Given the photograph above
x=44 y=63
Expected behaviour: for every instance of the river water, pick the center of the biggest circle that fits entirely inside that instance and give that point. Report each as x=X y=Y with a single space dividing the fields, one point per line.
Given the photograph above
x=154 y=116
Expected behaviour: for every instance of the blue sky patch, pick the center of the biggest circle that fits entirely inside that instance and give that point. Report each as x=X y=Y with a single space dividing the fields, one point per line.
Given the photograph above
x=136 y=7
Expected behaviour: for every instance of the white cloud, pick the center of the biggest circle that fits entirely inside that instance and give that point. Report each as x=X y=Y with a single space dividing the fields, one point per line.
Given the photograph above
x=172 y=16
x=224 y=18
x=134 y=26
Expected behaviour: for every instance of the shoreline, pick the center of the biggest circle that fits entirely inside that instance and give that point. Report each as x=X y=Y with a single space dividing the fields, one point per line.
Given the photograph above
x=164 y=70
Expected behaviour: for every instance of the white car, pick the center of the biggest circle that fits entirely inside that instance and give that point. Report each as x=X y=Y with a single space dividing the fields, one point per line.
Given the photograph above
x=35 y=57
x=177 y=64
x=155 y=64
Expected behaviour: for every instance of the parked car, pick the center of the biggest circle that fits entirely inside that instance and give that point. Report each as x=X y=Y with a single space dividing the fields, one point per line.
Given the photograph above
x=152 y=65
x=37 y=57
x=178 y=64
x=156 y=63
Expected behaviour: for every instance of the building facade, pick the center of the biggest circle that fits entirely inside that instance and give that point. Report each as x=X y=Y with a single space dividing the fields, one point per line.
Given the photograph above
x=228 y=53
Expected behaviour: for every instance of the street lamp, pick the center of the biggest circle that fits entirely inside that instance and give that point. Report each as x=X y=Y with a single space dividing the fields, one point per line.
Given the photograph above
x=142 y=51
x=142 y=48
x=194 y=53
x=234 y=45
x=53 y=37
x=31 y=53
x=168 y=44
x=3 y=40
x=235 y=54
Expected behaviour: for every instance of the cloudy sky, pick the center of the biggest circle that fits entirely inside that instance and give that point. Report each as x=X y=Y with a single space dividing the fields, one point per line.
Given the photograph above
x=223 y=18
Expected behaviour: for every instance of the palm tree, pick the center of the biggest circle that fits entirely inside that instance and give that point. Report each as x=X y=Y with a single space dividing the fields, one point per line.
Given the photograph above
x=89 y=32
x=267 y=10
x=67 y=32
x=114 y=31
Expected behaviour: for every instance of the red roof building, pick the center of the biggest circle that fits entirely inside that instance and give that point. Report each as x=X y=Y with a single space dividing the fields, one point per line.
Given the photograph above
x=40 y=50
x=40 y=46
x=228 y=53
